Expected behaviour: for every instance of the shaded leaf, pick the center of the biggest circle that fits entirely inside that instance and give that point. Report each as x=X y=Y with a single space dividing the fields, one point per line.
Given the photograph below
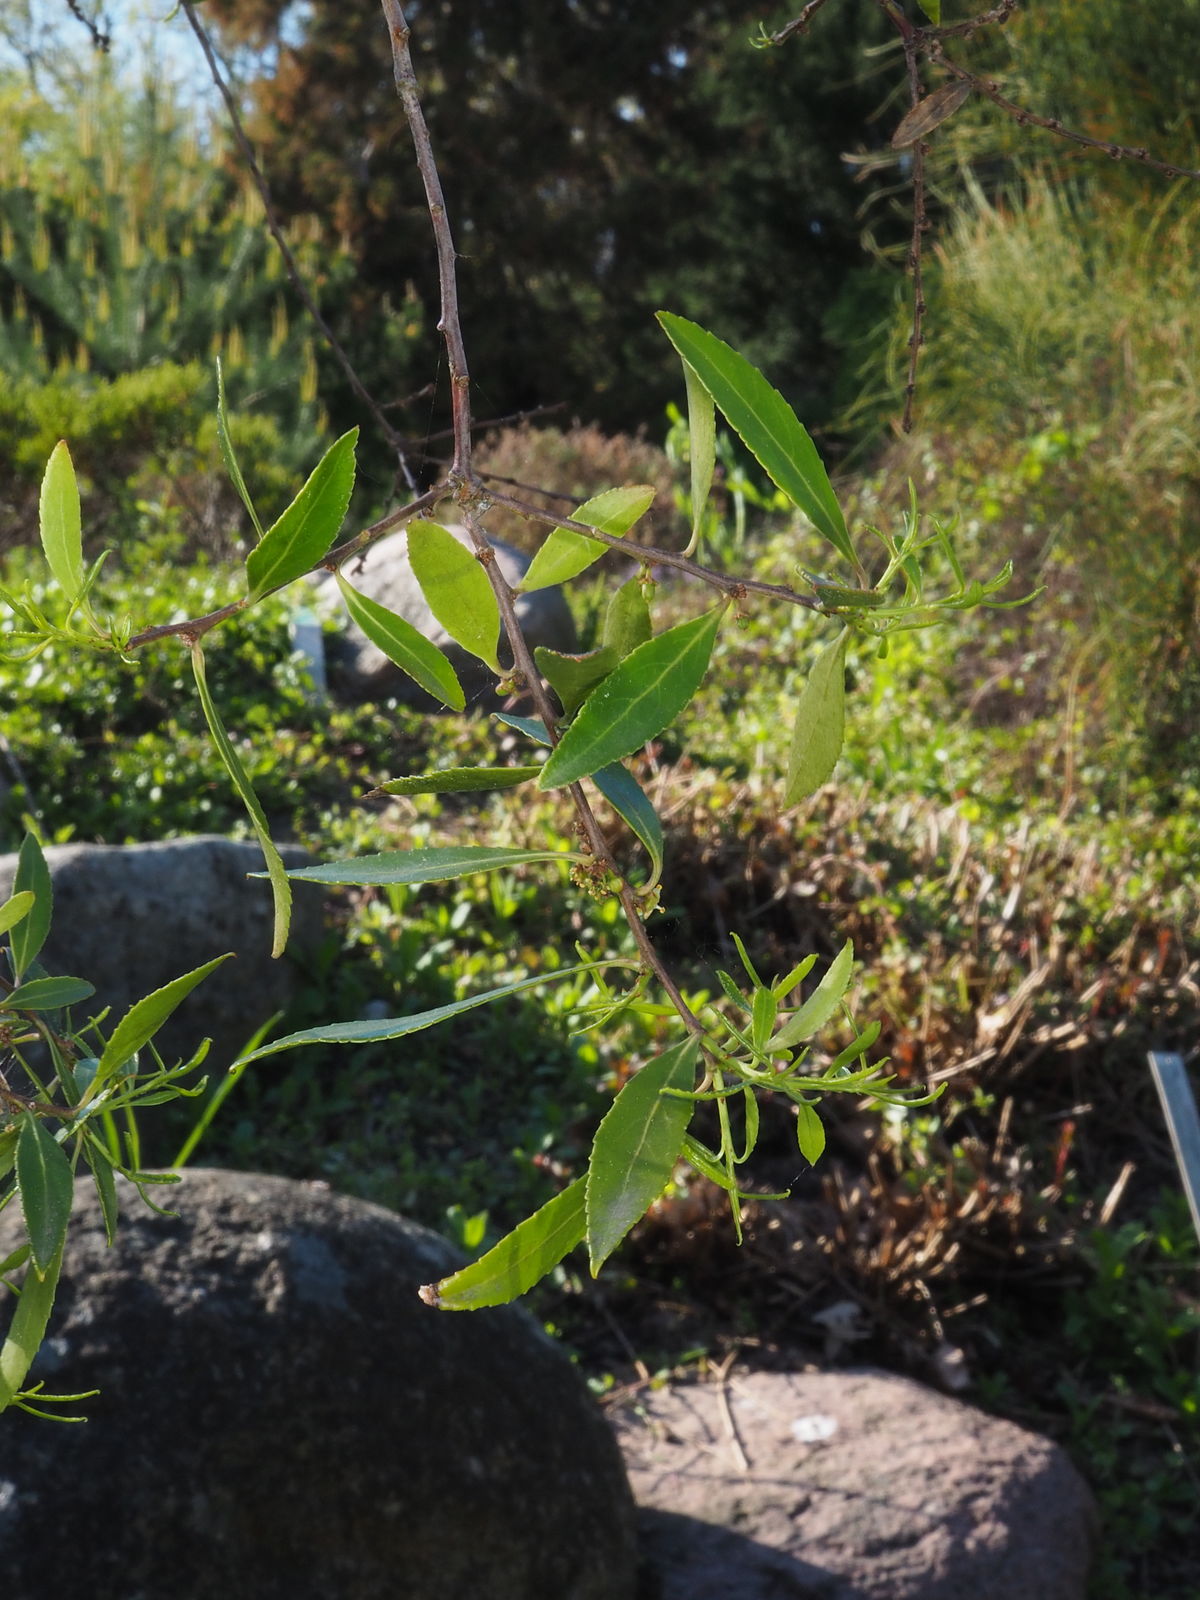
x=820 y=723
x=456 y=589
x=521 y=1259
x=106 y=1188
x=821 y=1005
x=932 y=111
x=766 y=424
x=638 y=699
x=33 y=876
x=401 y=1027
x=424 y=866
x=636 y=1147
x=146 y=1016
x=295 y=543
x=459 y=780
x=405 y=646
x=47 y=994
x=702 y=445
x=574 y=677
x=627 y=620
x=810 y=1132
x=624 y=794
x=15 y=908
x=230 y=459
x=565 y=553
x=60 y=522
x=933 y=10
x=47 y=1190
x=532 y=727
x=281 y=889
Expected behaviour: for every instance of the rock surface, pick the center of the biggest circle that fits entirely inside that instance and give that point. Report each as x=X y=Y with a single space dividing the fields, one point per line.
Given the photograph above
x=360 y=671
x=281 y=1418
x=857 y=1486
x=129 y=918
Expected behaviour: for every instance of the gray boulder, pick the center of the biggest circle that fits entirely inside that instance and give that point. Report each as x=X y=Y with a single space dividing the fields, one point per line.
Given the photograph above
x=281 y=1418
x=360 y=671
x=129 y=918
x=850 y=1486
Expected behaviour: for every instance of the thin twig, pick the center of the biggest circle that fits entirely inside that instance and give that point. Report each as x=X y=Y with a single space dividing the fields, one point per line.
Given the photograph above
x=394 y=440
x=722 y=1376
x=799 y=24
x=916 y=248
x=995 y=18
x=101 y=38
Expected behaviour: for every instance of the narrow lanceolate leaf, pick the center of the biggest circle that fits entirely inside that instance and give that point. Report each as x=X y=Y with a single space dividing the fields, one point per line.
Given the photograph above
x=821 y=1005
x=228 y=455
x=933 y=10
x=521 y=1259
x=636 y=1148
x=636 y=701
x=820 y=723
x=15 y=909
x=281 y=889
x=294 y=545
x=930 y=113
x=32 y=876
x=574 y=677
x=424 y=866
x=60 y=522
x=565 y=554
x=146 y=1016
x=766 y=424
x=810 y=1132
x=401 y=1027
x=47 y=994
x=456 y=589
x=47 y=1188
x=627 y=620
x=459 y=780
x=106 y=1189
x=28 y=1328
x=404 y=646
x=532 y=727
x=702 y=445
x=624 y=794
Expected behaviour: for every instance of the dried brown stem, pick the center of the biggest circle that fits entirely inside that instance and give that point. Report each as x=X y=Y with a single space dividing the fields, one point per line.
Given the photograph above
x=258 y=177
x=799 y=24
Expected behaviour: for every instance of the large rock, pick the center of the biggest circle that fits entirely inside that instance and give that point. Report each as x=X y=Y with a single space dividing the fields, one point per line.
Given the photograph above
x=281 y=1418
x=129 y=918
x=850 y=1486
x=360 y=671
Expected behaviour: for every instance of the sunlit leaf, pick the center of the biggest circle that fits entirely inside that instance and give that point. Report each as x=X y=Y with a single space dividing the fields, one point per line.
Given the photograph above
x=28 y=1327
x=106 y=1188
x=400 y=1027
x=15 y=909
x=933 y=10
x=146 y=1016
x=32 y=876
x=638 y=699
x=574 y=677
x=47 y=1188
x=624 y=794
x=433 y=865
x=810 y=1132
x=457 y=589
x=295 y=543
x=459 y=780
x=565 y=553
x=228 y=455
x=766 y=424
x=521 y=1259
x=281 y=889
x=47 y=994
x=820 y=723
x=636 y=1147
x=821 y=1005
x=60 y=522
x=702 y=445
x=627 y=620
x=404 y=646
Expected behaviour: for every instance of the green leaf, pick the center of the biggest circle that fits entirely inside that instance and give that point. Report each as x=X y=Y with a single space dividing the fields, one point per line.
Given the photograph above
x=636 y=1147
x=820 y=724
x=47 y=994
x=106 y=1188
x=424 y=866
x=574 y=677
x=296 y=542
x=763 y=1017
x=60 y=522
x=565 y=553
x=821 y=1004
x=624 y=794
x=933 y=10
x=281 y=890
x=784 y=986
x=28 y=1328
x=47 y=1188
x=766 y=424
x=32 y=875
x=227 y=453
x=810 y=1133
x=404 y=646
x=702 y=445
x=636 y=701
x=15 y=909
x=456 y=589
x=146 y=1016
x=459 y=780
x=401 y=1027
x=627 y=620
x=532 y=727
x=521 y=1259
